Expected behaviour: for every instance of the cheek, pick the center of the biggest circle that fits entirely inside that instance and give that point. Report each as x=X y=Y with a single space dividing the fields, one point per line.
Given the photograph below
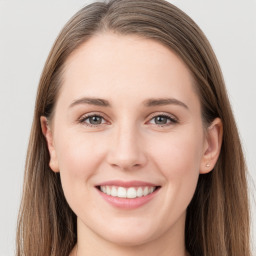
x=179 y=155
x=79 y=159
x=178 y=158
x=78 y=155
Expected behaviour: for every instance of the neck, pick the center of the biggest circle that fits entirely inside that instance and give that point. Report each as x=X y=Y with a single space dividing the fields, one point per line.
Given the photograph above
x=171 y=243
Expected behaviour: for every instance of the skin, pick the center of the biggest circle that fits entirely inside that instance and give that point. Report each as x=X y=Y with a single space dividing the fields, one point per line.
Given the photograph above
x=129 y=144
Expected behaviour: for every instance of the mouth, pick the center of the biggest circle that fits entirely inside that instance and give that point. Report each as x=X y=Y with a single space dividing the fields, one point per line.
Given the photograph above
x=127 y=192
x=127 y=195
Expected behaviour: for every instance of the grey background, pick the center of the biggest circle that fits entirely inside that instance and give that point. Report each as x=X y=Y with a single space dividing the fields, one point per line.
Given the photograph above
x=27 y=32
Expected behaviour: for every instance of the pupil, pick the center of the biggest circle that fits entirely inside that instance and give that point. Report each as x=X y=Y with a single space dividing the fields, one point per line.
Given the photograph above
x=161 y=120
x=95 y=120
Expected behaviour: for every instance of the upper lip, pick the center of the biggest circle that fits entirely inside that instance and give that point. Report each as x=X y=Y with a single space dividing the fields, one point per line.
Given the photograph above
x=126 y=184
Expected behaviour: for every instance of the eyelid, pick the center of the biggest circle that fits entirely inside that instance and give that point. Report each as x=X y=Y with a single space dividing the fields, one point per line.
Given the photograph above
x=173 y=118
x=91 y=114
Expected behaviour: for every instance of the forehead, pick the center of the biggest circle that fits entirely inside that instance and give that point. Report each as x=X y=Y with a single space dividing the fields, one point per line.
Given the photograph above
x=109 y=63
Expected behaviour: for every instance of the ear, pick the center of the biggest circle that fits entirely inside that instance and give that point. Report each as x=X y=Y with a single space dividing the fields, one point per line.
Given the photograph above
x=49 y=139
x=212 y=146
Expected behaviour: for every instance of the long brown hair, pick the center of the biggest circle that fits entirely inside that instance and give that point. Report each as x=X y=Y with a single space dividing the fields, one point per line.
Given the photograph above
x=217 y=220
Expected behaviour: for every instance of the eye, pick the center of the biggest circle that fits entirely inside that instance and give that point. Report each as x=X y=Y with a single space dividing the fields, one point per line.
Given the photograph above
x=92 y=120
x=163 y=120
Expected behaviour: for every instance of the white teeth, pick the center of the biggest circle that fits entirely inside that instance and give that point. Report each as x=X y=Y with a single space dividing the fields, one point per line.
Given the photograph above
x=121 y=192
x=131 y=192
x=108 y=190
x=145 y=191
x=139 y=192
x=113 y=191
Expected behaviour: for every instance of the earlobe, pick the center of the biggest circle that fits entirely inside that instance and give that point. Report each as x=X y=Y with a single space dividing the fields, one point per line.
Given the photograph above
x=212 y=146
x=49 y=140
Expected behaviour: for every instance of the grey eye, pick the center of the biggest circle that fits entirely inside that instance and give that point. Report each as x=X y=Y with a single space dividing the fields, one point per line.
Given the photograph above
x=94 y=120
x=161 y=119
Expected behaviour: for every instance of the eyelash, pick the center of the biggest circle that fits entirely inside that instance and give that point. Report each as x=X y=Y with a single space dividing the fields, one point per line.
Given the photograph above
x=170 y=119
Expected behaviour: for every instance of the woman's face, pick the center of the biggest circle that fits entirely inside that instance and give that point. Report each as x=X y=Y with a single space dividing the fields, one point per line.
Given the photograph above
x=128 y=122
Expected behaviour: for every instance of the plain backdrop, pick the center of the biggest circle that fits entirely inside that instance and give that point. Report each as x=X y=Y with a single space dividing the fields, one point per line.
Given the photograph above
x=27 y=32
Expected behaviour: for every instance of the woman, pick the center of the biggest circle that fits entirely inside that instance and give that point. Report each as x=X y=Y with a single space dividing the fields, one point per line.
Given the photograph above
x=134 y=149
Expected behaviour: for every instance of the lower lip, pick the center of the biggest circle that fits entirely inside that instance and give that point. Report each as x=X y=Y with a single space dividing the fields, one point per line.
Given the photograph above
x=128 y=203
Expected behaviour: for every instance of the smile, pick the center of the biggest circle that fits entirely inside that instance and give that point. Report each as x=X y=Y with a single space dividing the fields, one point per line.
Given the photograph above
x=127 y=195
x=131 y=192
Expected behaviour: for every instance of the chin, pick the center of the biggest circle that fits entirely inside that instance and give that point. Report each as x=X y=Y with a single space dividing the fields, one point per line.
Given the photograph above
x=132 y=240
x=129 y=236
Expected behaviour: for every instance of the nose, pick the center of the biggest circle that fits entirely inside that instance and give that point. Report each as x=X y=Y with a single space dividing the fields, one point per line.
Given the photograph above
x=126 y=149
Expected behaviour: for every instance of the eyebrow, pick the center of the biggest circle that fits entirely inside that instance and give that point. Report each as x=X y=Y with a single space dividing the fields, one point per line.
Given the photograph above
x=91 y=101
x=148 y=103
x=164 y=101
